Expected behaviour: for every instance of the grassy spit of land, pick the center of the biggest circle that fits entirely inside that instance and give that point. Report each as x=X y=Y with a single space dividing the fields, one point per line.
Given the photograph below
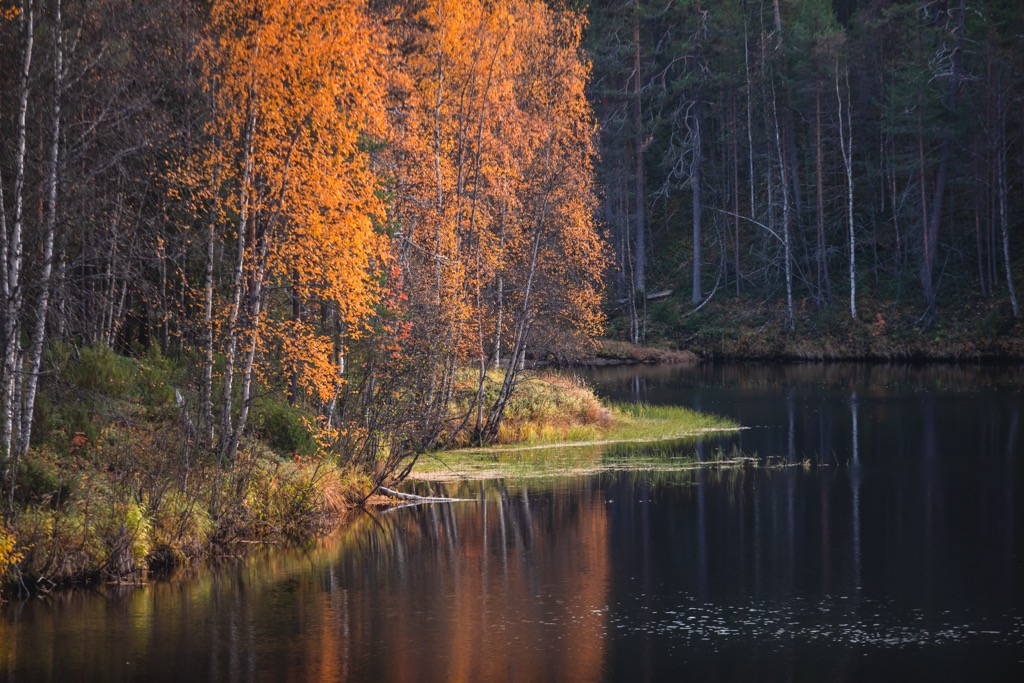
x=115 y=487
x=555 y=425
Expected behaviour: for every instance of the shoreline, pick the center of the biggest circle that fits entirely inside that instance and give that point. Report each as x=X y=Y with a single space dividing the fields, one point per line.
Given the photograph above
x=625 y=354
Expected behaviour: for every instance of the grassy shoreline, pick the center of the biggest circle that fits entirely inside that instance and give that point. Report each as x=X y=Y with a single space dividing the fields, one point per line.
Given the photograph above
x=618 y=443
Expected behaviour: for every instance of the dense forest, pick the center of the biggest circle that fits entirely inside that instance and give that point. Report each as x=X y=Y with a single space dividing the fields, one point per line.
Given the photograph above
x=816 y=161
x=234 y=231
x=323 y=227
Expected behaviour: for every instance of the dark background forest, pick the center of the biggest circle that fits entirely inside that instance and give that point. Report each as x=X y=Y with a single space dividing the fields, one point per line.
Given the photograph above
x=849 y=170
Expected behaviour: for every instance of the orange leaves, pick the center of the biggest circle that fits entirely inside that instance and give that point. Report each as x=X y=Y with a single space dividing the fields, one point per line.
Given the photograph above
x=8 y=12
x=497 y=147
x=474 y=113
x=309 y=354
x=297 y=95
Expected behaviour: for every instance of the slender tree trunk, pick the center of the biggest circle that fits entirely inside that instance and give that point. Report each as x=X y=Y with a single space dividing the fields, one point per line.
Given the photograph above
x=640 y=225
x=784 y=186
x=794 y=172
x=255 y=313
x=894 y=206
x=992 y=213
x=13 y=251
x=42 y=307
x=207 y=391
x=237 y=285
x=629 y=261
x=979 y=244
x=750 y=122
x=926 y=248
x=932 y=236
x=5 y=469
x=293 y=374
x=501 y=301
x=846 y=145
x=736 y=199
x=518 y=354
x=942 y=171
x=438 y=157
x=824 y=281
x=695 y=177
x=1003 y=222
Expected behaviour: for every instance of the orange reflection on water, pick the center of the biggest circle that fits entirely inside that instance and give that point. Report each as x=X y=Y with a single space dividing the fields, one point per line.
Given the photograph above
x=509 y=599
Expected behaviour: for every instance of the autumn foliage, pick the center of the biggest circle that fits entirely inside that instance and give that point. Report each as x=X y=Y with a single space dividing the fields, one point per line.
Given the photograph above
x=494 y=201
x=387 y=195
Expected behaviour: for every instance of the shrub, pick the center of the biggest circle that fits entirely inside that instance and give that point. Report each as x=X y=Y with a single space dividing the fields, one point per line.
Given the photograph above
x=38 y=483
x=282 y=427
x=181 y=527
x=155 y=382
x=101 y=371
x=10 y=556
x=125 y=534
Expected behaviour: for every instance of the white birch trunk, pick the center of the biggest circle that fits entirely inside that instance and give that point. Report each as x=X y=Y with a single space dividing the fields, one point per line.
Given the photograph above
x=13 y=247
x=640 y=268
x=1003 y=222
x=207 y=397
x=518 y=354
x=254 y=339
x=785 y=217
x=846 y=145
x=39 y=334
x=750 y=121
x=695 y=169
x=237 y=284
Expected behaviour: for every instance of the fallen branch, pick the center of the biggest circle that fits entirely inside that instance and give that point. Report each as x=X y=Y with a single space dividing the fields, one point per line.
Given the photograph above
x=420 y=499
x=717 y=281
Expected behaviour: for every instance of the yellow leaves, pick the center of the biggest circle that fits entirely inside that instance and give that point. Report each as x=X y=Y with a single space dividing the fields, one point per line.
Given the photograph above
x=10 y=555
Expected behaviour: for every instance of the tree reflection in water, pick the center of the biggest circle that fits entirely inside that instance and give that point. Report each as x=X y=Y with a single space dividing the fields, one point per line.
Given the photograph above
x=895 y=549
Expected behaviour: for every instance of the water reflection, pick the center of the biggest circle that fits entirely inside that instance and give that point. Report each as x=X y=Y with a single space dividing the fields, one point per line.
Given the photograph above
x=895 y=550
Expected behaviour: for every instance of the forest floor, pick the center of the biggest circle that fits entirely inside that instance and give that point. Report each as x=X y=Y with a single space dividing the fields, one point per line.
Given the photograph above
x=749 y=329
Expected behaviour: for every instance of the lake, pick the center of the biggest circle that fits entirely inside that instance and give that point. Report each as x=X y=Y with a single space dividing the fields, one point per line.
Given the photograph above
x=882 y=537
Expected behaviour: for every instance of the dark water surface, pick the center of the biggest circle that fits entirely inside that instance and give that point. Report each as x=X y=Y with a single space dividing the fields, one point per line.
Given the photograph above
x=894 y=550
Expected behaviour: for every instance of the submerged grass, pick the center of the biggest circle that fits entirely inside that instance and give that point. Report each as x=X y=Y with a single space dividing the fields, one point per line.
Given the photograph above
x=627 y=436
x=571 y=459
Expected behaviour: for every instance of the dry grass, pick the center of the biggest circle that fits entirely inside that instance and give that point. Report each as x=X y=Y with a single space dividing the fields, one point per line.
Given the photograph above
x=553 y=407
x=612 y=352
x=555 y=424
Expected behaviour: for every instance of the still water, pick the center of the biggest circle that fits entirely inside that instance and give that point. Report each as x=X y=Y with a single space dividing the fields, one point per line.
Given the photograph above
x=885 y=539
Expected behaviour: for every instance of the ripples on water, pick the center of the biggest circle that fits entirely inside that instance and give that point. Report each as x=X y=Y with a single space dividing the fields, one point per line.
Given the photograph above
x=830 y=622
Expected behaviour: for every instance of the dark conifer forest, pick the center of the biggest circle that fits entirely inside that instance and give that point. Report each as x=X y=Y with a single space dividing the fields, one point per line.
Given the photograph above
x=819 y=167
